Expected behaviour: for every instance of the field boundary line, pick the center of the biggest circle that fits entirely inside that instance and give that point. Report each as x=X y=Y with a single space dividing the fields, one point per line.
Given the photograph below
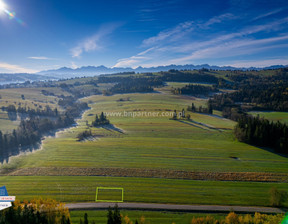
x=152 y=173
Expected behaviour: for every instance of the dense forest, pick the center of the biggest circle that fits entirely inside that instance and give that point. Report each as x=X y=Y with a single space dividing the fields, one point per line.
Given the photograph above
x=182 y=76
x=258 y=97
x=255 y=92
x=42 y=211
x=196 y=90
x=133 y=85
x=261 y=132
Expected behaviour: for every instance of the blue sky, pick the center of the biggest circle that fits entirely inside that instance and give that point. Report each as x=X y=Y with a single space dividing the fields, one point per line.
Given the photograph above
x=39 y=35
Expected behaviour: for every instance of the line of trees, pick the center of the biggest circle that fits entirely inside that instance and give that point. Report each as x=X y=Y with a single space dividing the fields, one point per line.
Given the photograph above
x=36 y=212
x=135 y=84
x=113 y=217
x=233 y=218
x=24 y=112
x=52 y=212
x=265 y=97
x=200 y=109
x=183 y=76
x=80 y=90
x=195 y=90
x=261 y=132
x=255 y=92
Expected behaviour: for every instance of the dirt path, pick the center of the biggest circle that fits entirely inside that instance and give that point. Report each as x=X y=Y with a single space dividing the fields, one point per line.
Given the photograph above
x=173 y=207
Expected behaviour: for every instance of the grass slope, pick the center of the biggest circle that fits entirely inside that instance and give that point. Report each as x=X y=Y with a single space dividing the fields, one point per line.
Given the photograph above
x=153 y=190
x=206 y=144
x=148 y=142
x=272 y=116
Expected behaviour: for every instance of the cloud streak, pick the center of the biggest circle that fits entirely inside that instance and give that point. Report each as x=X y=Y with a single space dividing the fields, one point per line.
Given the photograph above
x=41 y=58
x=94 y=42
x=170 y=35
x=268 y=14
x=189 y=42
x=15 y=68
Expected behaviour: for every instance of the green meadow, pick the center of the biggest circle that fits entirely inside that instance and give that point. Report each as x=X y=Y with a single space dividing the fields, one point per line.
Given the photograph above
x=7 y=125
x=149 y=190
x=272 y=116
x=204 y=144
x=141 y=139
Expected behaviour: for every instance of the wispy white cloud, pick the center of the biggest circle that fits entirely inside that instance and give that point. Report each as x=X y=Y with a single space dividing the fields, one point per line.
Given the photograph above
x=170 y=34
x=130 y=62
x=94 y=42
x=268 y=14
x=89 y=44
x=150 y=10
x=189 y=42
x=15 y=68
x=218 y=19
x=41 y=58
x=234 y=48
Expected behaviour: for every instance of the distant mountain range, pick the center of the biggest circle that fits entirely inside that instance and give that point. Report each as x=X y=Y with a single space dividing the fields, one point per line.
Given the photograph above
x=97 y=70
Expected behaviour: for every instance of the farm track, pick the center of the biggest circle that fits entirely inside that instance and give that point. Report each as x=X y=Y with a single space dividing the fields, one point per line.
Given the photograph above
x=176 y=208
x=150 y=173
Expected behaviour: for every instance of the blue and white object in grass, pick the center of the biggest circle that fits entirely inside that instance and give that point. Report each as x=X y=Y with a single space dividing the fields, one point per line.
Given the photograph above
x=5 y=199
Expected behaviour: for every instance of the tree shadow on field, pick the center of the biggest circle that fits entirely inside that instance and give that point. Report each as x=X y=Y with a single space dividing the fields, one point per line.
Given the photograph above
x=111 y=127
x=272 y=151
x=17 y=151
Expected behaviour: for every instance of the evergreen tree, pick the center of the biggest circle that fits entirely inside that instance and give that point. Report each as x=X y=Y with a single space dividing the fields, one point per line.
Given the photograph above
x=102 y=117
x=193 y=108
x=117 y=215
x=86 y=218
x=110 y=219
x=114 y=217
x=210 y=108
x=261 y=132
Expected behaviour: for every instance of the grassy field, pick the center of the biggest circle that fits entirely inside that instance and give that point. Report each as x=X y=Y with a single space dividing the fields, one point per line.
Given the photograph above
x=142 y=140
x=206 y=144
x=7 y=125
x=149 y=190
x=272 y=116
